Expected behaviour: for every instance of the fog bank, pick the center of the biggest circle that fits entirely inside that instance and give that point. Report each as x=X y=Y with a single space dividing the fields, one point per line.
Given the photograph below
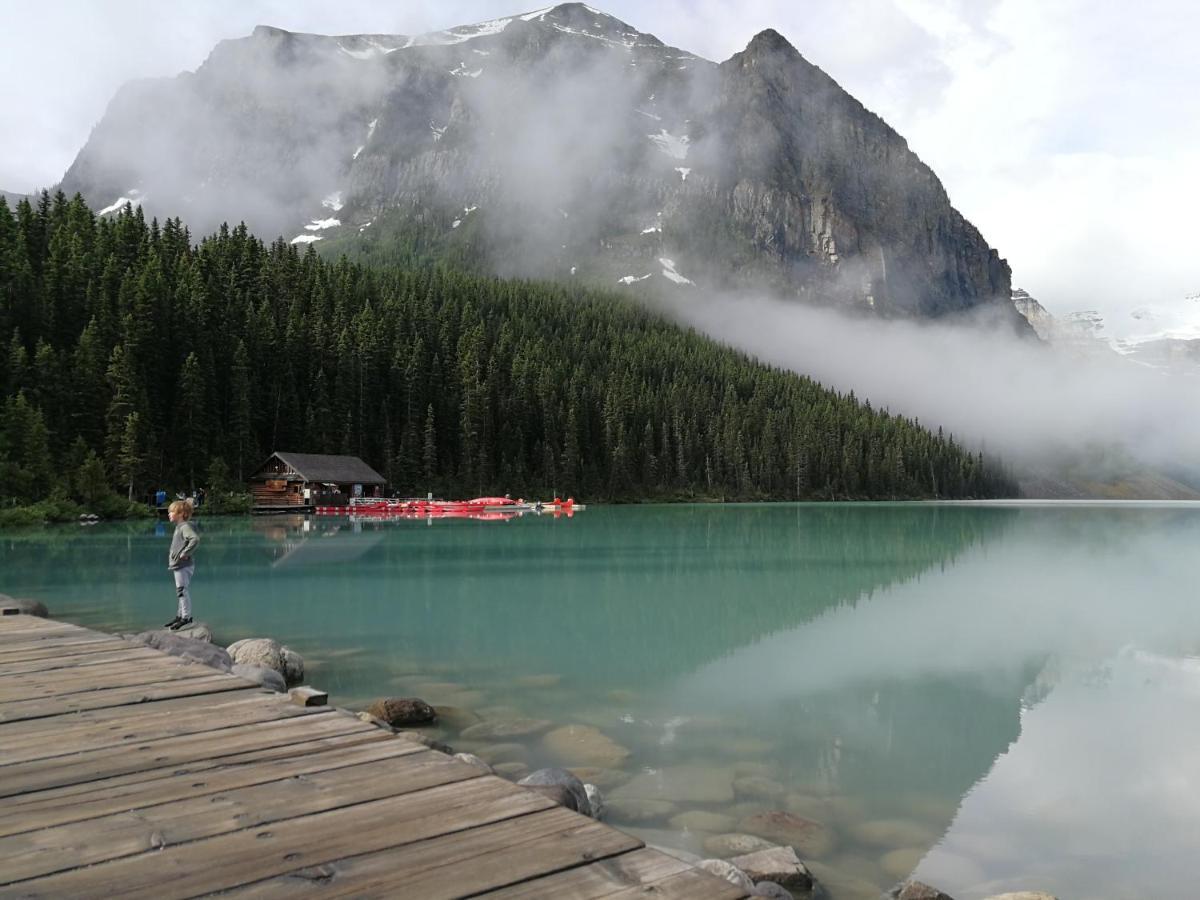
x=1034 y=404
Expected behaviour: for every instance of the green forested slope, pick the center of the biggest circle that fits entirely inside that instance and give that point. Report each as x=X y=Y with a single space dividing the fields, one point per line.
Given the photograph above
x=179 y=365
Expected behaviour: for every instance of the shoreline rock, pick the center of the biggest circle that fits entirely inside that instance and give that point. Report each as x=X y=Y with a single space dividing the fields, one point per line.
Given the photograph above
x=185 y=648
x=561 y=778
x=403 y=711
x=780 y=865
x=271 y=654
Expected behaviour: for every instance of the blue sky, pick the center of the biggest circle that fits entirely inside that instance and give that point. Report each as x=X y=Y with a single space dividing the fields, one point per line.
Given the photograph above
x=1067 y=130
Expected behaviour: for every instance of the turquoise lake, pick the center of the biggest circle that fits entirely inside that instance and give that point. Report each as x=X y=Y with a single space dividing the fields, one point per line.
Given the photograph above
x=990 y=697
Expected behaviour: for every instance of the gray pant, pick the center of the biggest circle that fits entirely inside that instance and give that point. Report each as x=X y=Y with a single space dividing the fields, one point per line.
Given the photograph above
x=183 y=577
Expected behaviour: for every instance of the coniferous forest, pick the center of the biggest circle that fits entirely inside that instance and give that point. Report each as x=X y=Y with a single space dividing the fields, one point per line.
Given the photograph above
x=134 y=359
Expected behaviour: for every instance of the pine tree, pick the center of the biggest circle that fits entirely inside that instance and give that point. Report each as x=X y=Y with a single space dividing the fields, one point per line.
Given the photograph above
x=131 y=457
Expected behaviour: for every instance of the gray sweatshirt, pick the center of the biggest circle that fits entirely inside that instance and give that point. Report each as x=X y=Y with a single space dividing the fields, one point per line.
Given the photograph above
x=183 y=542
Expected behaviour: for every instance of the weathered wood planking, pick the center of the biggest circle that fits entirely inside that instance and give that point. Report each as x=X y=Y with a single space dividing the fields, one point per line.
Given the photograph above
x=52 y=849
x=464 y=863
x=124 y=771
x=32 y=744
x=109 y=798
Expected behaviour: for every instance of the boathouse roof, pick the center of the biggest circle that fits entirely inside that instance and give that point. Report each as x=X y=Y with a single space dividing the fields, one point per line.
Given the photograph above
x=323 y=467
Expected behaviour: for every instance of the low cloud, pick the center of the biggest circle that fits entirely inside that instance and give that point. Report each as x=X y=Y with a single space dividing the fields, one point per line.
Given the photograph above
x=1033 y=404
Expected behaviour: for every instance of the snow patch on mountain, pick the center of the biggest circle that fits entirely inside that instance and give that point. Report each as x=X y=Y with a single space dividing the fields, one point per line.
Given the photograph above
x=322 y=224
x=630 y=279
x=669 y=271
x=674 y=146
x=333 y=201
x=364 y=47
x=135 y=198
x=305 y=238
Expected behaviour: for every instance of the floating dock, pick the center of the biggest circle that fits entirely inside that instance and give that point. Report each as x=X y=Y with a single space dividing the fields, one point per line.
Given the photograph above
x=126 y=772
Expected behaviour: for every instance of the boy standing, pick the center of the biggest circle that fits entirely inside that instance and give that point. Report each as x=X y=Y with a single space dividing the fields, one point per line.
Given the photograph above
x=179 y=560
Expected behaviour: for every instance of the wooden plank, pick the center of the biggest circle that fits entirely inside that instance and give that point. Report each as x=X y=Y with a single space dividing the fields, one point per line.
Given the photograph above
x=640 y=867
x=115 y=675
x=40 y=774
x=50 y=662
x=117 y=716
x=68 y=739
x=229 y=860
x=20 y=628
x=62 y=682
x=122 y=696
x=121 y=662
x=116 y=798
x=307 y=696
x=75 y=648
x=13 y=644
x=25 y=622
x=460 y=864
x=145 y=779
x=20 y=623
x=45 y=851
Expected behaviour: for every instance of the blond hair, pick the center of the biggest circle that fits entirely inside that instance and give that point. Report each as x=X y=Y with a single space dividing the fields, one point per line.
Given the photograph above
x=181 y=508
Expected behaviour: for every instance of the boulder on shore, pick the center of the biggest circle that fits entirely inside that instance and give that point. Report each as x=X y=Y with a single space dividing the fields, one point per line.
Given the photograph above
x=472 y=760
x=261 y=675
x=918 y=890
x=561 y=778
x=778 y=864
x=198 y=631
x=271 y=654
x=25 y=605
x=186 y=648
x=728 y=871
x=403 y=711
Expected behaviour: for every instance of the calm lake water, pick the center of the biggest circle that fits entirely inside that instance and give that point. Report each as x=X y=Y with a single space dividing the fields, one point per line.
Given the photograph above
x=992 y=698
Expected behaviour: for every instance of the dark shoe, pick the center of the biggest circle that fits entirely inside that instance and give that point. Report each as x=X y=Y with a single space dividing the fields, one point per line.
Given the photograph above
x=180 y=623
x=172 y=623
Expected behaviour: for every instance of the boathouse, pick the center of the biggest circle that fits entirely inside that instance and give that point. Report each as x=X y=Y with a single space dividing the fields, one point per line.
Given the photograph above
x=298 y=480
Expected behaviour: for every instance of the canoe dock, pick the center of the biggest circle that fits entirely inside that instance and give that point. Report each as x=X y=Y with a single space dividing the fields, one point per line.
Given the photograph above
x=127 y=772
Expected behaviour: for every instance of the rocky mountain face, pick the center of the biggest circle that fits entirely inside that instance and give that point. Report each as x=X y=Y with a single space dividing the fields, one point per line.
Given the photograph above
x=1082 y=333
x=1077 y=332
x=560 y=143
x=10 y=198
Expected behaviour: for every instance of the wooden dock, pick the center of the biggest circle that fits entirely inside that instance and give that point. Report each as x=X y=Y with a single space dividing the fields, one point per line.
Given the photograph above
x=130 y=773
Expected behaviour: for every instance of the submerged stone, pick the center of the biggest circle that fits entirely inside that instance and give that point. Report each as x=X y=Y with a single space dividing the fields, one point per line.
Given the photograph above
x=584 y=745
x=692 y=784
x=809 y=837
x=735 y=844
x=893 y=833
x=900 y=863
x=702 y=820
x=505 y=728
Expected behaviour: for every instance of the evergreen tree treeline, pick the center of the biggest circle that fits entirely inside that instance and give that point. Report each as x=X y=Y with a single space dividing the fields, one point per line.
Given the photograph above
x=129 y=353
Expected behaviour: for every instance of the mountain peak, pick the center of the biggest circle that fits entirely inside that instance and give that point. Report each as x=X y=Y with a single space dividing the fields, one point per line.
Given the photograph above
x=771 y=41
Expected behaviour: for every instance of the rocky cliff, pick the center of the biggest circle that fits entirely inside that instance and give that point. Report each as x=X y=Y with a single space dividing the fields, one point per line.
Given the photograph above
x=560 y=143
